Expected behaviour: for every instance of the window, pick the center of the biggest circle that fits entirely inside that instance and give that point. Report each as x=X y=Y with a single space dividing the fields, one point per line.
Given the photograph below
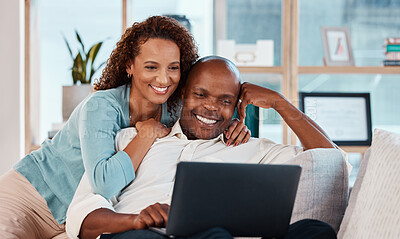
x=198 y=13
x=95 y=20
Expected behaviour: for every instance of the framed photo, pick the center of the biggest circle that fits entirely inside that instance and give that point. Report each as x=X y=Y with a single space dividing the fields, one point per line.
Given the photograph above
x=337 y=46
x=345 y=117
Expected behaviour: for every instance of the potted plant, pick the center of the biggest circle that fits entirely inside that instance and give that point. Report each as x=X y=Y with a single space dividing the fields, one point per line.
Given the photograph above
x=82 y=71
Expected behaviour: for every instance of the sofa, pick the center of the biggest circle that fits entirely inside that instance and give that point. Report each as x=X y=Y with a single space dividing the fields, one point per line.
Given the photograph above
x=373 y=208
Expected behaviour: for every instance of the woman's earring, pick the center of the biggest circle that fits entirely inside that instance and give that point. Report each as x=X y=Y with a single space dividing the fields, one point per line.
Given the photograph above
x=129 y=75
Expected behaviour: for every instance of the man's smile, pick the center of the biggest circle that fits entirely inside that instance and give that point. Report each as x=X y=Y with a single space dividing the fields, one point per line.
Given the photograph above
x=205 y=120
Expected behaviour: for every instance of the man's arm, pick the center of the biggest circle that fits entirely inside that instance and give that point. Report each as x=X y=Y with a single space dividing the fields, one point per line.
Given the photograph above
x=104 y=220
x=90 y=215
x=309 y=133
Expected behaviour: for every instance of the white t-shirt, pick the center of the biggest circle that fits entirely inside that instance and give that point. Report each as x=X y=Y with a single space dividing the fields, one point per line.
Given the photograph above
x=155 y=176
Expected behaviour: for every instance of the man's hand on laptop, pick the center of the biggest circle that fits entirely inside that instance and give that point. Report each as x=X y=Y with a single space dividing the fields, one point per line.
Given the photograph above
x=104 y=220
x=155 y=215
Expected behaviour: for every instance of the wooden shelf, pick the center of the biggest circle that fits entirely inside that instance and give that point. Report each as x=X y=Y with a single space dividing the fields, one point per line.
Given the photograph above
x=349 y=70
x=324 y=69
x=261 y=69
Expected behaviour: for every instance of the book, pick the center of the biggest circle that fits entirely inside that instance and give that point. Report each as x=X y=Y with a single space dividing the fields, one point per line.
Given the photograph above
x=393 y=48
x=391 y=62
x=394 y=55
x=392 y=40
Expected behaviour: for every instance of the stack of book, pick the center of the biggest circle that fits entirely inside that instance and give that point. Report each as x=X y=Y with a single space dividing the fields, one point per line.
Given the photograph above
x=392 y=47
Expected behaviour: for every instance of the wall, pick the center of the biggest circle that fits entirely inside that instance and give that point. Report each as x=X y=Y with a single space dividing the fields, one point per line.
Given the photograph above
x=11 y=83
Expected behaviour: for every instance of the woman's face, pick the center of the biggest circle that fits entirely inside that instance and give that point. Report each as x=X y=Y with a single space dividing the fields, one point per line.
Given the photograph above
x=156 y=70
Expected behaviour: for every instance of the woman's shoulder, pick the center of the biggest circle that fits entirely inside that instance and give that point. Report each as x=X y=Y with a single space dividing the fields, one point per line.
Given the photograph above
x=114 y=95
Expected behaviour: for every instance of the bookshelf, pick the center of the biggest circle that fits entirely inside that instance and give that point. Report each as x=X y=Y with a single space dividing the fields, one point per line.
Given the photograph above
x=349 y=69
x=325 y=69
x=258 y=69
x=290 y=69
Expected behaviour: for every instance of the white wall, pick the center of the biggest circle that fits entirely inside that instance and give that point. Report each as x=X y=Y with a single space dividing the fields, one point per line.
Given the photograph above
x=11 y=83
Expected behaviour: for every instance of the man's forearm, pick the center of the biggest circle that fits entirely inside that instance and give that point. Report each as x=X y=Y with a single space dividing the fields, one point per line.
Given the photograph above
x=105 y=221
x=309 y=133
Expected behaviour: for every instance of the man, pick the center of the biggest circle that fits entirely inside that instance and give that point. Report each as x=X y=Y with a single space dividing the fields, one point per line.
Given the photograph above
x=209 y=98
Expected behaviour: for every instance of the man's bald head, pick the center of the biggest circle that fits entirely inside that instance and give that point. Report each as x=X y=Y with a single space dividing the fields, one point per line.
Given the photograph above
x=209 y=62
x=209 y=97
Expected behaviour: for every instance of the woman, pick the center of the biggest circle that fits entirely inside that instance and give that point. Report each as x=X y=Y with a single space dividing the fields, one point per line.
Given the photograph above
x=146 y=69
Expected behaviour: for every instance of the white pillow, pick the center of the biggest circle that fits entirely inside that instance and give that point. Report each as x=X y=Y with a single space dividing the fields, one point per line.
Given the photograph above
x=374 y=212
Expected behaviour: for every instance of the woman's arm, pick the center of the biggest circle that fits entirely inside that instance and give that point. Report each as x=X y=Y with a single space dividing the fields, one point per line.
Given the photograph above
x=237 y=133
x=309 y=133
x=148 y=131
x=110 y=171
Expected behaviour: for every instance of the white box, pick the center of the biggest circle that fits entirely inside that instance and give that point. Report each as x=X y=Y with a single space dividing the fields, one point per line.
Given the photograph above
x=259 y=54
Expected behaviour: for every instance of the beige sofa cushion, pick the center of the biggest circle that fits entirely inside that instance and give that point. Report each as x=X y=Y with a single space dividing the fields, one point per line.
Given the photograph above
x=374 y=204
x=323 y=190
x=355 y=190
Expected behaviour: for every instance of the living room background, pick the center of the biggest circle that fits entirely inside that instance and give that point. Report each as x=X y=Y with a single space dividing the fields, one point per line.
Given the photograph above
x=370 y=23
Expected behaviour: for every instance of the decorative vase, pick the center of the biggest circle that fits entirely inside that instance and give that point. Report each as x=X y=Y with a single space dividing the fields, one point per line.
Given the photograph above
x=72 y=96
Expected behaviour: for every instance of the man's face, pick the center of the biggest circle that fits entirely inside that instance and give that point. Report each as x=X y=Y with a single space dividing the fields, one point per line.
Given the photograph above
x=209 y=100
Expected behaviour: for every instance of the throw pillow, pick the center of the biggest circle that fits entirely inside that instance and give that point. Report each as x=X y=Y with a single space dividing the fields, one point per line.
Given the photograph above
x=323 y=188
x=374 y=211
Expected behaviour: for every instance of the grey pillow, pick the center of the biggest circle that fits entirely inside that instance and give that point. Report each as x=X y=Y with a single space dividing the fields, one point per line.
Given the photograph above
x=323 y=187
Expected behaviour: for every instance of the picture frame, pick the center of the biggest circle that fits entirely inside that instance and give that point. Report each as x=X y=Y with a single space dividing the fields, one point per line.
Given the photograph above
x=337 y=46
x=345 y=117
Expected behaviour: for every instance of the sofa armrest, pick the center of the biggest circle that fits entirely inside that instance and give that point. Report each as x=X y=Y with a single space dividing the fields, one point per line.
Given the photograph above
x=323 y=189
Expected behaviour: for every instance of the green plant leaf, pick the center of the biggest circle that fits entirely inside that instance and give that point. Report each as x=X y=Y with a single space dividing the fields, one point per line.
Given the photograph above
x=69 y=48
x=93 y=52
x=92 y=71
x=80 y=41
x=84 y=70
x=78 y=70
x=91 y=57
x=83 y=67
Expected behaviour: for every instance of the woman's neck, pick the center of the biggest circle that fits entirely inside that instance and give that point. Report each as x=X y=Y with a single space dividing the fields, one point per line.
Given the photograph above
x=140 y=109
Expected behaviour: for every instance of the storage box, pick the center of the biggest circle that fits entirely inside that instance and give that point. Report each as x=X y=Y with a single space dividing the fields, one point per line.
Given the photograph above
x=259 y=54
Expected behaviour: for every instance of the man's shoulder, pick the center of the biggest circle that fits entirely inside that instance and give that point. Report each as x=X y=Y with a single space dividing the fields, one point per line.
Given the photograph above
x=261 y=140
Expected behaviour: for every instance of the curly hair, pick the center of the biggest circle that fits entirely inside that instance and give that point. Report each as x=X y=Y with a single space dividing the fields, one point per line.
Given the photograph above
x=128 y=47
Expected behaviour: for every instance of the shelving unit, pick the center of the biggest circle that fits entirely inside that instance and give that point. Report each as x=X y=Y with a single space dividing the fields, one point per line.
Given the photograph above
x=324 y=69
x=290 y=69
x=349 y=70
x=258 y=69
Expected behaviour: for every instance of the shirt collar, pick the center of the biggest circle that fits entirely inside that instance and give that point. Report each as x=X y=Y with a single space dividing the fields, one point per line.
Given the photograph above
x=177 y=131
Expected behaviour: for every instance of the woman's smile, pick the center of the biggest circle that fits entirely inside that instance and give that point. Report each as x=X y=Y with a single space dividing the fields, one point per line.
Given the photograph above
x=159 y=90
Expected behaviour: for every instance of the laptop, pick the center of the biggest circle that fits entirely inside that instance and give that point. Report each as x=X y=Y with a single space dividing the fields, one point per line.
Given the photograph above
x=248 y=200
